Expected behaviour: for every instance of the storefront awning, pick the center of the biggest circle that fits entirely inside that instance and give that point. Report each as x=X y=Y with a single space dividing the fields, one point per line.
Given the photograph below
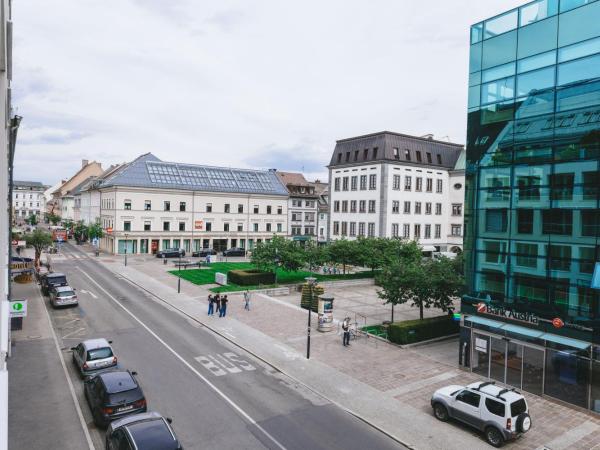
x=522 y=330
x=576 y=343
x=484 y=321
x=428 y=248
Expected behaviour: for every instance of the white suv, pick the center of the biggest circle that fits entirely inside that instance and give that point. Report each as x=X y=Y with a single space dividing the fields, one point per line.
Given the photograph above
x=502 y=414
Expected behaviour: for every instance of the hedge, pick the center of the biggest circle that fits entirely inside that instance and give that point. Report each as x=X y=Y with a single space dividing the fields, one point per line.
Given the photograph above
x=250 y=277
x=411 y=331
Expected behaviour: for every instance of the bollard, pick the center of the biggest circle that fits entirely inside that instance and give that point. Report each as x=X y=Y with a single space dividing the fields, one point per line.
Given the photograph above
x=165 y=261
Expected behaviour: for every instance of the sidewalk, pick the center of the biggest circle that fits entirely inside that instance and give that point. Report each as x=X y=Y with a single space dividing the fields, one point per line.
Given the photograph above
x=40 y=407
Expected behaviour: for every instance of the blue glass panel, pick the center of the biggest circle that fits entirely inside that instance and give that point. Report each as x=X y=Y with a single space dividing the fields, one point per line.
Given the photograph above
x=499 y=50
x=539 y=79
x=540 y=10
x=475 y=58
x=498 y=90
x=537 y=61
x=566 y=5
x=474 y=78
x=579 y=50
x=581 y=96
x=534 y=105
x=538 y=37
x=500 y=24
x=474 y=96
x=581 y=69
x=579 y=24
x=476 y=33
x=502 y=71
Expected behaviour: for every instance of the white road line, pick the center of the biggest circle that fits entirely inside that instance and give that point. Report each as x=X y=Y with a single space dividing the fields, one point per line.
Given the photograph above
x=72 y=333
x=86 y=432
x=243 y=413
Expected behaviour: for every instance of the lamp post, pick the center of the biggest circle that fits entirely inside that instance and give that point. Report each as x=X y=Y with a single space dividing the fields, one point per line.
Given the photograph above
x=126 y=249
x=311 y=282
x=179 y=274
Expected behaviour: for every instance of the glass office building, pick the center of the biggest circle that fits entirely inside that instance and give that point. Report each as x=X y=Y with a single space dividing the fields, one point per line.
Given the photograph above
x=532 y=212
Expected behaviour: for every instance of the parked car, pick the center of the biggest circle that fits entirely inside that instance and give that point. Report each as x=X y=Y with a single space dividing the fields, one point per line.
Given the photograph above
x=144 y=431
x=204 y=252
x=235 y=251
x=51 y=280
x=113 y=395
x=63 y=296
x=170 y=253
x=502 y=414
x=93 y=355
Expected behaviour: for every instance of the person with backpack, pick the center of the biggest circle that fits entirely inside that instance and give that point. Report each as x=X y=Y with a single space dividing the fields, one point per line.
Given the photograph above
x=346 y=329
x=211 y=305
x=223 y=310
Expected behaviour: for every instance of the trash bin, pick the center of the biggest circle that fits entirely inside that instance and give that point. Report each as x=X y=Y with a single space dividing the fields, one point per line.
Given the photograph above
x=325 y=313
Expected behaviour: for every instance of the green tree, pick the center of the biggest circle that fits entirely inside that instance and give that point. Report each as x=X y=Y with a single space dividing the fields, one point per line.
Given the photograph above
x=314 y=254
x=68 y=224
x=39 y=240
x=95 y=230
x=447 y=282
x=279 y=252
x=32 y=220
x=53 y=218
x=80 y=230
x=344 y=252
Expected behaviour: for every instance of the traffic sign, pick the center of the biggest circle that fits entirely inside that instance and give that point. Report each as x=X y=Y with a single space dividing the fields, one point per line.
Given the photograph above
x=18 y=308
x=15 y=242
x=109 y=230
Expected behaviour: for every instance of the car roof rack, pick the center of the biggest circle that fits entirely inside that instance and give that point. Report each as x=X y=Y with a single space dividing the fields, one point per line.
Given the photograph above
x=484 y=384
x=502 y=392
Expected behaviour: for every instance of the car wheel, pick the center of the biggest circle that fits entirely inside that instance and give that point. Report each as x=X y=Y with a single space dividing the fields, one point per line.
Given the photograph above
x=440 y=412
x=523 y=423
x=494 y=437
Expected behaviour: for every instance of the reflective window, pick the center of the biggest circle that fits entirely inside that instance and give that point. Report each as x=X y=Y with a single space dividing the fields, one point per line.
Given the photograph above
x=476 y=33
x=537 y=61
x=494 y=73
x=475 y=58
x=579 y=25
x=541 y=103
x=566 y=5
x=582 y=69
x=538 y=11
x=498 y=90
x=501 y=24
x=578 y=96
x=474 y=78
x=536 y=80
x=474 y=96
x=499 y=50
x=538 y=37
x=579 y=50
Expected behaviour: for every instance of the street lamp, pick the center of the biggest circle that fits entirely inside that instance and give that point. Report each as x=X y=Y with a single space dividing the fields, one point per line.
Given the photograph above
x=126 y=249
x=179 y=274
x=311 y=282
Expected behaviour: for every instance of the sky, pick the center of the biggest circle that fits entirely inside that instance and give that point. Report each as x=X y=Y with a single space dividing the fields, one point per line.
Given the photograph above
x=256 y=84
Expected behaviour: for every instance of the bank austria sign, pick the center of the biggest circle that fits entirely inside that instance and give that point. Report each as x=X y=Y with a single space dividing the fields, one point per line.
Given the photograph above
x=508 y=313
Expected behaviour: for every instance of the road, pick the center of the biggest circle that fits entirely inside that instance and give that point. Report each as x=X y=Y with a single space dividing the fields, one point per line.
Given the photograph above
x=217 y=395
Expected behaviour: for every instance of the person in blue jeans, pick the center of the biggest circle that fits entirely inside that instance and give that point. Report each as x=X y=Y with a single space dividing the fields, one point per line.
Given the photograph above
x=223 y=311
x=211 y=305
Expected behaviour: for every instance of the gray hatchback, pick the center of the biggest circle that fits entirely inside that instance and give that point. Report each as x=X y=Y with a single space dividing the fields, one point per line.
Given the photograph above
x=93 y=356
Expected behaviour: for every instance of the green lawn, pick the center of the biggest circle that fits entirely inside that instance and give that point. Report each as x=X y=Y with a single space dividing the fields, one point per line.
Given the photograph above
x=207 y=276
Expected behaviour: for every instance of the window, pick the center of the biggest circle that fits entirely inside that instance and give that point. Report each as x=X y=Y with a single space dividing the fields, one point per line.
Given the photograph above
x=255 y=209
x=495 y=407
x=591 y=183
x=365 y=154
x=344 y=228
x=372 y=182
x=396 y=183
x=526 y=255
x=147 y=205
x=167 y=206
x=439 y=185
x=126 y=205
x=336 y=228
x=375 y=153
x=371 y=229
x=166 y=226
x=418 y=153
x=344 y=206
x=279 y=228
x=590 y=222
x=209 y=207
x=255 y=227
x=417 y=231
x=363 y=182
x=529 y=187
x=439 y=159
x=417 y=207
x=558 y=221
x=339 y=158
x=240 y=227
x=181 y=226
x=559 y=257
x=354 y=183
x=361 y=229
x=468 y=397
x=407 y=154
x=371 y=206
x=182 y=206
x=429 y=160
x=268 y=209
x=240 y=208
x=352 y=206
x=309 y=216
x=438 y=231
x=336 y=184
x=345 y=184
x=347 y=156
x=427 y=231
x=525 y=221
x=147 y=225
x=496 y=220
x=227 y=208
x=395 y=230
x=336 y=206
x=355 y=155
x=428 y=208
x=456 y=209
x=562 y=186
x=407 y=183
x=126 y=226
x=456 y=230
x=406 y=207
x=352 y=228
x=362 y=206
x=208 y=226
x=309 y=231
x=279 y=210
x=395 y=207
x=406 y=231
x=268 y=227
x=419 y=186
x=296 y=230
x=438 y=209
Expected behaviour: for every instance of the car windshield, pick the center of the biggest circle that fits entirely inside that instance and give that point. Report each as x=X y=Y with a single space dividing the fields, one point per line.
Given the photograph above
x=518 y=407
x=99 y=353
x=57 y=280
x=66 y=294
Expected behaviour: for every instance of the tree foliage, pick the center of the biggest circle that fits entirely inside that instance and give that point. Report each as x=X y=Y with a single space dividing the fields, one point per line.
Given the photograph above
x=53 y=218
x=344 y=252
x=39 y=240
x=80 y=230
x=95 y=230
x=32 y=220
x=279 y=252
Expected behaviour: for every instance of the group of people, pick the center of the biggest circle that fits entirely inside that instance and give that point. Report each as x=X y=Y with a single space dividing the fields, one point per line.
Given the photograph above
x=218 y=303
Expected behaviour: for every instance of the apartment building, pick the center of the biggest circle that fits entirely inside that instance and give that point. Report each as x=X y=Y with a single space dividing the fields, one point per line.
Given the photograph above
x=322 y=190
x=63 y=199
x=27 y=199
x=395 y=185
x=302 y=206
x=149 y=205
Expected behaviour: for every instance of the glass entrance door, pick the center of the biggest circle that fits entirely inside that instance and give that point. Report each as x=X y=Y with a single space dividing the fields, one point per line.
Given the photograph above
x=533 y=370
x=514 y=364
x=497 y=359
x=480 y=360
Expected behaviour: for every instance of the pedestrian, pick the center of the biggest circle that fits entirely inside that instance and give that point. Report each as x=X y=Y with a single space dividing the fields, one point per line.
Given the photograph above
x=223 y=306
x=217 y=300
x=211 y=305
x=346 y=328
x=208 y=259
x=247 y=300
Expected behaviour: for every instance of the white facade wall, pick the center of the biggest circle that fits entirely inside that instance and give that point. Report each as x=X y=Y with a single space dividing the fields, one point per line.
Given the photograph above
x=202 y=226
x=27 y=201
x=89 y=206
x=67 y=205
x=322 y=227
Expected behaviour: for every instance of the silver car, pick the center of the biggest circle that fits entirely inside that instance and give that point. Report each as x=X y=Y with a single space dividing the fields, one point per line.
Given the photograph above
x=63 y=296
x=93 y=356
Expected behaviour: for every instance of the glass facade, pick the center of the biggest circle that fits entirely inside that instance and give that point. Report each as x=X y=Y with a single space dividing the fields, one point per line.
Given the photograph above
x=532 y=207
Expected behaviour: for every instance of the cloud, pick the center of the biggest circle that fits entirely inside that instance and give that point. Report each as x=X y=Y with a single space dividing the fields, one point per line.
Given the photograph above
x=298 y=158
x=49 y=136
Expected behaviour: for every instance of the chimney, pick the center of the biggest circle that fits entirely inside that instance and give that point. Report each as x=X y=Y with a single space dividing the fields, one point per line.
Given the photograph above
x=84 y=162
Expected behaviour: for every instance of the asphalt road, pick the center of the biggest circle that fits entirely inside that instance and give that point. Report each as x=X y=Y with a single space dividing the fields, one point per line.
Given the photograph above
x=218 y=396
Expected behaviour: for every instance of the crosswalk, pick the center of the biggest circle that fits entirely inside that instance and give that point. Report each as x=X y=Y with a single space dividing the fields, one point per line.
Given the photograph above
x=67 y=256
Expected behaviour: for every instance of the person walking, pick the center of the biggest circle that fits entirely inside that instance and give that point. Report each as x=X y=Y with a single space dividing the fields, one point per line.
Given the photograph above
x=247 y=300
x=223 y=307
x=346 y=328
x=217 y=300
x=211 y=305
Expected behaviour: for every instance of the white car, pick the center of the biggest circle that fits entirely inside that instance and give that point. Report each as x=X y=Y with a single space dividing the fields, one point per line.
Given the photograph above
x=502 y=414
x=93 y=356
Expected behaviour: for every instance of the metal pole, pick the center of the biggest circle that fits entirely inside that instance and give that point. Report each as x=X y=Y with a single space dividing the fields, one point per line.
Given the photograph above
x=125 y=249
x=310 y=281
x=179 y=275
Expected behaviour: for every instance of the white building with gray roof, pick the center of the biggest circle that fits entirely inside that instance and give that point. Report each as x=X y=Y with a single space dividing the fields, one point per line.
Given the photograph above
x=148 y=205
x=28 y=199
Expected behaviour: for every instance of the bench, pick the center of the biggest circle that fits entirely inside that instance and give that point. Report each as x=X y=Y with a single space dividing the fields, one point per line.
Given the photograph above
x=186 y=264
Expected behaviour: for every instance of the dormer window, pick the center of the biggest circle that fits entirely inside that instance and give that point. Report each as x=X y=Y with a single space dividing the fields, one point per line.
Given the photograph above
x=339 y=158
x=375 y=153
x=396 y=153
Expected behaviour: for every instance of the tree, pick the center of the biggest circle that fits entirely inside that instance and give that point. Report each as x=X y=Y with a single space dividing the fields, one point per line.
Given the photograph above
x=95 y=230
x=32 y=220
x=447 y=282
x=68 y=224
x=81 y=231
x=53 y=218
x=279 y=252
x=39 y=240
x=344 y=252
x=314 y=255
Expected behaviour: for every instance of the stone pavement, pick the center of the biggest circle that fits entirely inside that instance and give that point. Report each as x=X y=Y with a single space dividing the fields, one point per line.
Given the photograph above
x=387 y=386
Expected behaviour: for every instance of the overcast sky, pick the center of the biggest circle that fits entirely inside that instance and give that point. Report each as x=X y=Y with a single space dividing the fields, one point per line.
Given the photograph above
x=235 y=83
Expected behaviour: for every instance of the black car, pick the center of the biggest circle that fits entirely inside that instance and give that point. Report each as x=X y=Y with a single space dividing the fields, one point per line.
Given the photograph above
x=235 y=251
x=112 y=395
x=147 y=431
x=51 y=280
x=170 y=253
x=204 y=252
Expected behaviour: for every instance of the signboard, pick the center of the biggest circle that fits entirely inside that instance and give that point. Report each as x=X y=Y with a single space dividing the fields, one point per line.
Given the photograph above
x=198 y=224
x=325 y=313
x=18 y=308
x=508 y=313
x=109 y=230
x=481 y=345
x=15 y=242
x=596 y=277
x=21 y=244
